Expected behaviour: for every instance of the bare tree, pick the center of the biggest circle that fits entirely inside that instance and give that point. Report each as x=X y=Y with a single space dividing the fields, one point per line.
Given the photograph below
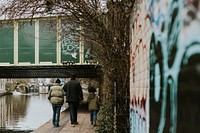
x=104 y=26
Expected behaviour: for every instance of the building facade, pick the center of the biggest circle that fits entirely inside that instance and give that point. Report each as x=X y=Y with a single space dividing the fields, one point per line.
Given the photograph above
x=40 y=41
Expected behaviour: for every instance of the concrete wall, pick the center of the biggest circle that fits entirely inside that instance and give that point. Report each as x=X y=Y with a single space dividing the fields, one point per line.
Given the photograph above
x=165 y=66
x=2 y=85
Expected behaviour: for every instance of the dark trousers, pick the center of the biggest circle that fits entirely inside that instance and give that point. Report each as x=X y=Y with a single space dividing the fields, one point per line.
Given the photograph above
x=56 y=114
x=73 y=107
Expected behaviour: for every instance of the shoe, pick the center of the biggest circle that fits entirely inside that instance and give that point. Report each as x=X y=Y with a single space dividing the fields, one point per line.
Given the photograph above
x=56 y=126
x=76 y=123
x=72 y=125
x=94 y=123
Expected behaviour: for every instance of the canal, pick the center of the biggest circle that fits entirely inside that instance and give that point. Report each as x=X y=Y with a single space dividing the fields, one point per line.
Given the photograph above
x=21 y=113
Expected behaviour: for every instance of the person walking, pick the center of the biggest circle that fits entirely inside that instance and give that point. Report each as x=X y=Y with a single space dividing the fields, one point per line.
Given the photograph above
x=74 y=95
x=56 y=97
x=93 y=105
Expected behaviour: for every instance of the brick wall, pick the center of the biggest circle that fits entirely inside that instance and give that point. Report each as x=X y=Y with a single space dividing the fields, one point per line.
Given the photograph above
x=165 y=66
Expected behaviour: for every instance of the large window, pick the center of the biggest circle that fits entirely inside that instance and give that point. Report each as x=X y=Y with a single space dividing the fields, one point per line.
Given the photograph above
x=6 y=43
x=26 y=42
x=47 y=41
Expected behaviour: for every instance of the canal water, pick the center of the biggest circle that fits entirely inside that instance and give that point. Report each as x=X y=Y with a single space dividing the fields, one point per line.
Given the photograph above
x=24 y=113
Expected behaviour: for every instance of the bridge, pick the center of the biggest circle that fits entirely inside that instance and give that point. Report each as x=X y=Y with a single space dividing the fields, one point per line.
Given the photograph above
x=41 y=48
x=81 y=71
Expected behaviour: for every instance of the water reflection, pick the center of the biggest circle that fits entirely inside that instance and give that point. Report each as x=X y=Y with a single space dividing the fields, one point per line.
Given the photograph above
x=24 y=112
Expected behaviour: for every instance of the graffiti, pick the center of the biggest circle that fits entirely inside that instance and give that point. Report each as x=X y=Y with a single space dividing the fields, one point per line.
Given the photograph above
x=139 y=71
x=169 y=48
x=163 y=49
x=174 y=51
x=69 y=42
x=88 y=53
x=70 y=47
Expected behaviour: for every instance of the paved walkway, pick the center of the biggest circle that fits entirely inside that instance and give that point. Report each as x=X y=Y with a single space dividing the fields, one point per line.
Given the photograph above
x=84 y=125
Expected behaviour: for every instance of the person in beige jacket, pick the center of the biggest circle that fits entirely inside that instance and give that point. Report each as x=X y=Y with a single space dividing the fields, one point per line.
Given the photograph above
x=56 y=98
x=93 y=105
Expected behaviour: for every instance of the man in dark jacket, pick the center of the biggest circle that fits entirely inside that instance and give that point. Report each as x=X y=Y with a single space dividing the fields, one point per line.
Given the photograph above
x=74 y=95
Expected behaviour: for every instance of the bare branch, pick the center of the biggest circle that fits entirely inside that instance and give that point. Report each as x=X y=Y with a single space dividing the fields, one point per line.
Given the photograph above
x=105 y=27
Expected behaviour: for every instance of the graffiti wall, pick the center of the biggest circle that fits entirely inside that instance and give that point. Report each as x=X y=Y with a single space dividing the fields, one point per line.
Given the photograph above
x=165 y=66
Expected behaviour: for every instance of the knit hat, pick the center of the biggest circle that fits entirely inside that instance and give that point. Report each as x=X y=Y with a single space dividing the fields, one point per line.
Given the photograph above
x=58 y=81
